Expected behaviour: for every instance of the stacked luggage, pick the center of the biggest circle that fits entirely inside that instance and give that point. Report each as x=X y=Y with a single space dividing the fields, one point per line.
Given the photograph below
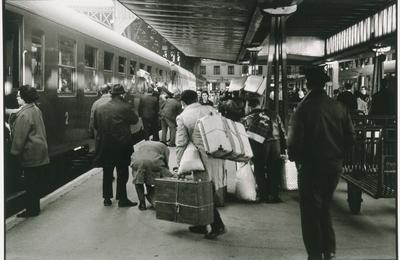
x=224 y=138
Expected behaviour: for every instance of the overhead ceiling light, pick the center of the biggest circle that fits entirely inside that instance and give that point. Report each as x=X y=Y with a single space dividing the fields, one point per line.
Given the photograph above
x=284 y=10
x=381 y=49
x=254 y=48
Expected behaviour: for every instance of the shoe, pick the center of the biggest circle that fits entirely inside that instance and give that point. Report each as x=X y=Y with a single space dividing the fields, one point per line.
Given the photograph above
x=198 y=229
x=215 y=232
x=126 y=203
x=107 y=202
x=142 y=206
x=329 y=256
x=26 y=214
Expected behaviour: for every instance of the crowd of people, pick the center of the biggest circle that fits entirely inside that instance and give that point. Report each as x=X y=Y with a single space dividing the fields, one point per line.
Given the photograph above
x=321 y=131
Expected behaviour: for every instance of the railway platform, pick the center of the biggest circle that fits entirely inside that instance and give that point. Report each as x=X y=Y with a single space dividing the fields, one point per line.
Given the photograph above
x=74 y=224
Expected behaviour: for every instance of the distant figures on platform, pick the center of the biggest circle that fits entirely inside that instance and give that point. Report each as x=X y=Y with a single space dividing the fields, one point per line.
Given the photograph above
x=348 y=99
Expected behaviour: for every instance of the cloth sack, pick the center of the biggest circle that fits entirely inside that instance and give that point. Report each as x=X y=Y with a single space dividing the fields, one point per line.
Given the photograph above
x=190 y=160
x=245 y=183
x=289 y=175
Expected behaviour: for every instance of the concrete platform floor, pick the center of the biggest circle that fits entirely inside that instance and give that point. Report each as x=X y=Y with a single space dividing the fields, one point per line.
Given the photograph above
x=74 y=224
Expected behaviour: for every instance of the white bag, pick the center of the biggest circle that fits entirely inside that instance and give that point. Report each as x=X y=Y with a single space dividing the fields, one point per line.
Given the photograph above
x=289 y=175
x=191 y=160
x=245 y=183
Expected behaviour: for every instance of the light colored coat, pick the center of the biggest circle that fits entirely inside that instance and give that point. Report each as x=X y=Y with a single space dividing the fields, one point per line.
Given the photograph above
x=188 y=129
x=29 y=138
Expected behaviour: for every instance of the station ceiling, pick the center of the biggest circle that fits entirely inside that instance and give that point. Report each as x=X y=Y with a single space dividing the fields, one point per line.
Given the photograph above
x=223 y=29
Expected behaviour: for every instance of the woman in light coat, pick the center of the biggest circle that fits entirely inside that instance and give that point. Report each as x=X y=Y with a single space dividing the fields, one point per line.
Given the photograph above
x=29 y=144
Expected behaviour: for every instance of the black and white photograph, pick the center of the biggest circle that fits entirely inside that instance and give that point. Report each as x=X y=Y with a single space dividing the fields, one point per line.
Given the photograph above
x=199 y=129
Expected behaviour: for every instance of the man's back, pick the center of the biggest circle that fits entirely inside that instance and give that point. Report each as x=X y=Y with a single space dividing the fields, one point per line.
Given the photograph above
x=171 y=108
x=349 y=100
x=321 y=129
x=148 y=107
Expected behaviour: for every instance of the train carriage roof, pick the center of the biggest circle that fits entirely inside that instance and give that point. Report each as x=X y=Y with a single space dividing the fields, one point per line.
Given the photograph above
x=70 y=18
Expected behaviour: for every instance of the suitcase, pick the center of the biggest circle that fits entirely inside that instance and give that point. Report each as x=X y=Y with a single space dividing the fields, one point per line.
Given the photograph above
x=289 y=175
x=215 y=135
x=241 y=149
x=184 y=201
x=255 y=84
x=248 y=152
x=235 y=139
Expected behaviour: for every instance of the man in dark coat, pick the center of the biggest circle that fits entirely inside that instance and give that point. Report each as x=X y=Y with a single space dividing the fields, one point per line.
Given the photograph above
x=170 y=109
x=348 y=99
x=148 y=111
x=384 y=101
x=321 y=131
x=114 y=144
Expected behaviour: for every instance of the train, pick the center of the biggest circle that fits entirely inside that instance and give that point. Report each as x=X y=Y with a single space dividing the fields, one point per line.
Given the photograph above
x=66 y=56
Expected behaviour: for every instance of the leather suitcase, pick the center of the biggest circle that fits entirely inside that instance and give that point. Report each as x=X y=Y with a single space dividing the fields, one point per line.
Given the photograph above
x=184 y=201
x=215 y=135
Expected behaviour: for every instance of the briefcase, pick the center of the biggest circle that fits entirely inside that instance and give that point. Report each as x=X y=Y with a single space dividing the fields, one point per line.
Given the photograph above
x=184 y=201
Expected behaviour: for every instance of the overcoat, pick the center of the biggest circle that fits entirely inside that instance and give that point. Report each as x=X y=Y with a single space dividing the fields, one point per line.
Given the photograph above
x=29 y=140
x=113 y=139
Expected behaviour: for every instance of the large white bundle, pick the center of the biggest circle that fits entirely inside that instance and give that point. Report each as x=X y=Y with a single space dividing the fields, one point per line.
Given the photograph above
x=245 y=183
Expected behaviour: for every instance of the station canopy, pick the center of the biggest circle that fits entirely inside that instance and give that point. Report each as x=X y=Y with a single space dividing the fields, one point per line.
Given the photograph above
x=224 y=29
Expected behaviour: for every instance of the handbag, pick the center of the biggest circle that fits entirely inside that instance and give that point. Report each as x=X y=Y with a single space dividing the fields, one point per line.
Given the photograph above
x=289 y=175
x=245 y=183
x=191 y=160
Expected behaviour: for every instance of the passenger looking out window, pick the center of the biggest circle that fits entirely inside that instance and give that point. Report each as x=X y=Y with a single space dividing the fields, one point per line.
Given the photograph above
x=66 y=66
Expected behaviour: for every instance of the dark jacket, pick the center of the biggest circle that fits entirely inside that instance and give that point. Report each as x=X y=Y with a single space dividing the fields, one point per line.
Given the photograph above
x=113 y=139
x=29 y=140
x=170 y=109
x=148 y=107
x=384 y=103
x=321 y=130
x=208 y=103
x=349 y=100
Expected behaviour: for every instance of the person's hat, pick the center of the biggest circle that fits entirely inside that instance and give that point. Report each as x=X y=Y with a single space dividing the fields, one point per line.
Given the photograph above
x=117 y=89
x=105 y=88
x=316 y=74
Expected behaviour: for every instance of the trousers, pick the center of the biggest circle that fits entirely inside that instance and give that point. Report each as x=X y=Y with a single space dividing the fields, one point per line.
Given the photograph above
x=32 y=180
x=317 y=183
x=165 y=124
x=122 y=179
x=267 y=160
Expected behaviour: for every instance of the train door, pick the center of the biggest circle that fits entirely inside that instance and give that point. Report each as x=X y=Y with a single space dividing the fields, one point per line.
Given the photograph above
x=11 y=72
x=12 y=42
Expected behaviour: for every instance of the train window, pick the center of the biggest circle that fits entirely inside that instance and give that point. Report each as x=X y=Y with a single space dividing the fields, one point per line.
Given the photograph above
x=149 y=69
x=121 y=64
x=245 y=69
x=160 y=72
x=217 y=70
x=202 y=70
x=141 y=66
x=132 y=67
x=66 y=66
x=260 y=70
x=37 y=60
x=90 y=73
x=231 y=70
x=90 y=57
x=108 y=61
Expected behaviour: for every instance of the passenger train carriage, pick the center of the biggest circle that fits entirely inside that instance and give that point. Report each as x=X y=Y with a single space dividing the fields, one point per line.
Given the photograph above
x=66 y=56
